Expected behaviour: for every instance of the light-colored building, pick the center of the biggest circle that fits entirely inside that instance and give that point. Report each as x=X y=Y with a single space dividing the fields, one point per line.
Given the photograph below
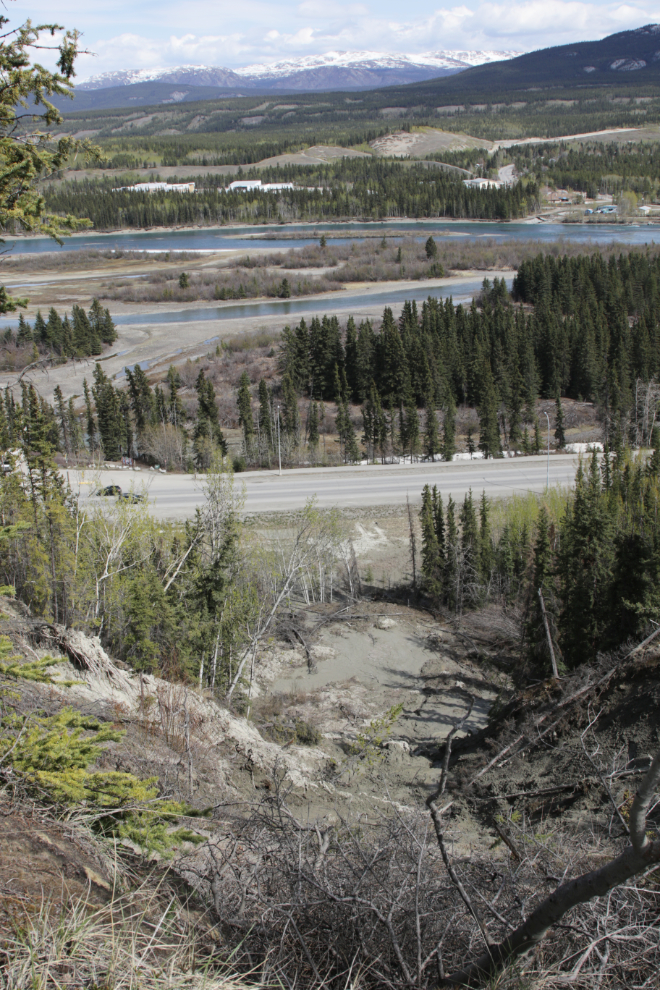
x=181 y=187
x=247 y=185
x=483 y=183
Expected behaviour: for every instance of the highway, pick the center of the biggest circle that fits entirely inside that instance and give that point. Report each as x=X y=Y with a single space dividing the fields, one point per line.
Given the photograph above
x=175 y=496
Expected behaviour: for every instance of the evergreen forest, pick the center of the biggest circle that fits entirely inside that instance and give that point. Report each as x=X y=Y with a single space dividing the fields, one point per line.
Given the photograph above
x=593 y=554
x=580 y=327
x=82 y=334
x=370 y=188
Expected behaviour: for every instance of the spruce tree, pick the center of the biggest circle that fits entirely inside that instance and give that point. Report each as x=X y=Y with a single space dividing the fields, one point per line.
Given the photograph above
x=245 y=419
x=175 y=410
x=470 y=442
x=560 y=436
x=63 y=419
x=108 y=412
x=313 y=425
x=486 y=548
x=74 y=430
x=24 y=335
x=141 y=396
x=431 y=558
x=470 y=543
x=449 y=430
x=291 y=416
x=91 y=422
x=535 y=634
x=489 y=430
x=351 y=449
x=452 y=558
x=439 y=521
x=208 y=410
x=265 y=416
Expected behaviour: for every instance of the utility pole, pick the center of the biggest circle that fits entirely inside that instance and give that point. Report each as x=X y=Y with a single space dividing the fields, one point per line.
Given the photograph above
x=547 y=482
x=279 y=448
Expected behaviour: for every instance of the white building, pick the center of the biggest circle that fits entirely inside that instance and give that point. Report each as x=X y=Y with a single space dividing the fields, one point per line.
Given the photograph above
x=181 y=187
x=483 y=183
x=247 y=185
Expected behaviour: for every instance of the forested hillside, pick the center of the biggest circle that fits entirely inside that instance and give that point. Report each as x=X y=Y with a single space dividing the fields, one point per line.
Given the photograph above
x=359 y=188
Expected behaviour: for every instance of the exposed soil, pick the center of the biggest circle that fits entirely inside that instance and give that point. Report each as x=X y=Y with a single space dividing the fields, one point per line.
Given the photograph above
x=352 y=712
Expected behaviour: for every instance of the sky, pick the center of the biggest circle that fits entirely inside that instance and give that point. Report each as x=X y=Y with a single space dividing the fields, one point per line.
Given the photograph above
x=136 y=34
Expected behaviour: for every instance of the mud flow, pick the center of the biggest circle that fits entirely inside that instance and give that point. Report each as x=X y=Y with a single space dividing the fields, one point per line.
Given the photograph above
x=379 y=688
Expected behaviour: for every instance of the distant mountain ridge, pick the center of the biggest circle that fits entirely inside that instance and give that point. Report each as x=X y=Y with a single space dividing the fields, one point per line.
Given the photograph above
x=333 y=70
x=628 y=58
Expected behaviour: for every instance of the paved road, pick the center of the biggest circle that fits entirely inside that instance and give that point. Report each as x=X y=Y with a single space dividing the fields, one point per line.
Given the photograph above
x=176 y=496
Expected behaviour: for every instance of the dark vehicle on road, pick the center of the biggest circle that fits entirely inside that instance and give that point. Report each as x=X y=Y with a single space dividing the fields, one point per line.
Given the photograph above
x=109 y=490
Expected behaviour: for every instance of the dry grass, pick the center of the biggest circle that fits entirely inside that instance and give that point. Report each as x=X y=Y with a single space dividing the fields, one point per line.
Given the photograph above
x=143 y=939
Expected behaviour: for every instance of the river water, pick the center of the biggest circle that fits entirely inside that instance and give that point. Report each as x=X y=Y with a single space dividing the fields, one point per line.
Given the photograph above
x=233 y=238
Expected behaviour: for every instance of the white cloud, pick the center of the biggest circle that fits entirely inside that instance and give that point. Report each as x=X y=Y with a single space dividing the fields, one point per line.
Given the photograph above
x=162 y=32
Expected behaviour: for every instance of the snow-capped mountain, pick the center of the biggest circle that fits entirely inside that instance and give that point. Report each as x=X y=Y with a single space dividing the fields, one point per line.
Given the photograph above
x=333 y=70
x=373 y=60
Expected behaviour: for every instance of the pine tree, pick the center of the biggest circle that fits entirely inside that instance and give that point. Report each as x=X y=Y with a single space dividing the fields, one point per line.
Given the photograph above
x=265 y=417
x=291 y=416
x=24 y=335
x=108 y=414
x=176 y=411
x=537 y=442
x=470 y=533
x=489 y=430
x=470 y=442
x=63 y=418
x=449 y=431
x=431 y=249
x=431 y=558
x=535 y=634
x=439 y=521
x=560 y=436
x=313 y=425
x=452 y=558
x=141 y=396
x=208 y=410
x=486 y=548
x=92 y=440
x=245 y=419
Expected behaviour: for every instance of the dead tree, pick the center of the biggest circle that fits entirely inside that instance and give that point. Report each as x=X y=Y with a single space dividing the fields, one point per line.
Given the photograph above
x=638 y=856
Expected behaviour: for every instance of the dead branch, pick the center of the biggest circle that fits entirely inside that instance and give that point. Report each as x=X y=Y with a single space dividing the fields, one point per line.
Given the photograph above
x=637 y=857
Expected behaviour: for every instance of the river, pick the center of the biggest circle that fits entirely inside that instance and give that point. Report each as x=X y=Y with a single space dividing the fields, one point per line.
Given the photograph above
x=234 y=238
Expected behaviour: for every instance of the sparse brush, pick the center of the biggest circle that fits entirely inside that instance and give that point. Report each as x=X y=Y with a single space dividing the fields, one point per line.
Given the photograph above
x=142 y=939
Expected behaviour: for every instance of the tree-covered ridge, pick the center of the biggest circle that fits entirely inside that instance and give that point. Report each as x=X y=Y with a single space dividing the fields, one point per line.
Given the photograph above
x=368 y=187
x=593 y=167
x=80 y=334
x=594 y=555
